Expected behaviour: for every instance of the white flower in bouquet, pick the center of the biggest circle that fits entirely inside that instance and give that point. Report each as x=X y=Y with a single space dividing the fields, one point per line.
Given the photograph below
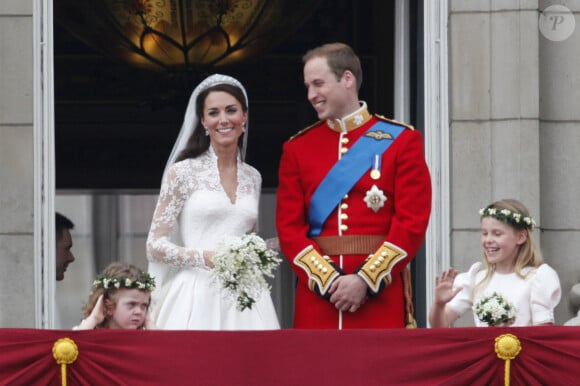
x=241 y=265
x=494 y=310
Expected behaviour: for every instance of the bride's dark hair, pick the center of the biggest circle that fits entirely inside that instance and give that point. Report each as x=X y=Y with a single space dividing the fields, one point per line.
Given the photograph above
x=198 y=142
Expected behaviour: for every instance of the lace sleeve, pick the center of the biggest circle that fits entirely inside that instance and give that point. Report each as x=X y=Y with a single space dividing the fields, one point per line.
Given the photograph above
x=176 y=188
x=257 y=182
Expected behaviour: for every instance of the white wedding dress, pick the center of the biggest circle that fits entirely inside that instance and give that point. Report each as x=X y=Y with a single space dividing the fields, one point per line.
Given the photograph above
x=193 y=207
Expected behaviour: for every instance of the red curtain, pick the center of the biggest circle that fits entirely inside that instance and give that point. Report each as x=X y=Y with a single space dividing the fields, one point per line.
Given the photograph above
x=454 y=356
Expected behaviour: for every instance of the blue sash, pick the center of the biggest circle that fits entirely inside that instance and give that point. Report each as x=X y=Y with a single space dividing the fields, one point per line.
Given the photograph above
x=348 y=170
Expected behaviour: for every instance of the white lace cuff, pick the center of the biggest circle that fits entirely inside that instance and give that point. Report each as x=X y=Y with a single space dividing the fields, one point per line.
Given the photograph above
x=198 y=260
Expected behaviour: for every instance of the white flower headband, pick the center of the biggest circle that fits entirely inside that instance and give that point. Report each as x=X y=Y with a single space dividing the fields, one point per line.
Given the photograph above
x=147 y=283
x=516 y=219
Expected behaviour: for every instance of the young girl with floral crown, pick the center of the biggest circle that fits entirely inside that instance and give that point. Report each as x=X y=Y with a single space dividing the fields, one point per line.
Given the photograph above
x=512 y=287
x=120 y=299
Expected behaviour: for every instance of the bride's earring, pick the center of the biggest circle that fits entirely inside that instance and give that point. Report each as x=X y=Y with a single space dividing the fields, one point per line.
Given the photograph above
x=206 y=131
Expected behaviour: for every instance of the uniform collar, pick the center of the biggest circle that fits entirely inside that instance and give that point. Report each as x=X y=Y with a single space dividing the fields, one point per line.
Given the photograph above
x=351 y=121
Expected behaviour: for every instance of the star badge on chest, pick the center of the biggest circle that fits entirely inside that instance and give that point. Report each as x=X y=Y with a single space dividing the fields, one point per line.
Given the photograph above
x=375 y=198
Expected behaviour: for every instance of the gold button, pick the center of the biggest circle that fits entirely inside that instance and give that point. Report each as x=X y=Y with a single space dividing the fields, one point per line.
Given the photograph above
x=373 y=268
x=344 y=216
x=343 y=227
x=324 y=270
x=343 y=150
x=381 y=259
x=345 y=197
x=344 y=140
x=344 y=206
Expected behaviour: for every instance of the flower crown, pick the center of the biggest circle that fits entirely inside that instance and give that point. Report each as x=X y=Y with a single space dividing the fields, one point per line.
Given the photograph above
x=516 y=219
x=147 y=283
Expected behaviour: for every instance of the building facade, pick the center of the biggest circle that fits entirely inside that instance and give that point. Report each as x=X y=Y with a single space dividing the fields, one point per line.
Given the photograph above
x=501 y=117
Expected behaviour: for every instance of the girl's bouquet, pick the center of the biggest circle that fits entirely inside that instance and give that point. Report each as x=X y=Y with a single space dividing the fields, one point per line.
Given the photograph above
x=241 y=265
x=494 y=310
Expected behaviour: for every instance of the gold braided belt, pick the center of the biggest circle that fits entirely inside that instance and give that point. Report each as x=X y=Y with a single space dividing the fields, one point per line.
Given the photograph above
x=348 y=245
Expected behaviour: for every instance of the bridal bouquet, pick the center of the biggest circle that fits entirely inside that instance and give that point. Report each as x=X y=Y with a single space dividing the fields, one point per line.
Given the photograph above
x=241 y=265
x=494 y=310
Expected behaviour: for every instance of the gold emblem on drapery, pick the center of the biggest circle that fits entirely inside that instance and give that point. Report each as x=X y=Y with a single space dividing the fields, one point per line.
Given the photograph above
x=65 y=352
x=507 y=347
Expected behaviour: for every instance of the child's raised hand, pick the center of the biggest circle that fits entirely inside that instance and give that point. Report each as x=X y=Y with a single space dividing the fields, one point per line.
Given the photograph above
x=98 y=312
x=96 y=317
x=444 y=291
x=149 y=324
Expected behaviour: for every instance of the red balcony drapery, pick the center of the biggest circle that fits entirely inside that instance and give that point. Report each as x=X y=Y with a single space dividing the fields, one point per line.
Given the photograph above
x=454 y=356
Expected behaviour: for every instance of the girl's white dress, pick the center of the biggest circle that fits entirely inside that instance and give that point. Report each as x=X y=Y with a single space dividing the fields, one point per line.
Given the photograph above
x=534 y=297
x=193 y=214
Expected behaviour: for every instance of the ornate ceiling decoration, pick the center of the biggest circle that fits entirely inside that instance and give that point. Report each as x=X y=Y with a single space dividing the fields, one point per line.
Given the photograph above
x=180 y=35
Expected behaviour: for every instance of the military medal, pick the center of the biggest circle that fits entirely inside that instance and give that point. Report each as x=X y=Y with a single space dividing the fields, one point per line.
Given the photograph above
x=376 y=172
x=375 y=198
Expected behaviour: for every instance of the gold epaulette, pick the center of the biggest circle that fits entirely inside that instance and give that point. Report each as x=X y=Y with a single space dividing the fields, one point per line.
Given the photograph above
x=378 y=266
x=304 y=130
x=383 y=118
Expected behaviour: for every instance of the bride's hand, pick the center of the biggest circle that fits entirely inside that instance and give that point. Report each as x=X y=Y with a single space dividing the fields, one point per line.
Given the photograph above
x=273 y=243
x=207 y=258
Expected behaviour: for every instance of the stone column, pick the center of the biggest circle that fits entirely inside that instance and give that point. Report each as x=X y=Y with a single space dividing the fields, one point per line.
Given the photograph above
x=494 y=114
x=17 y=169
x=560 y=144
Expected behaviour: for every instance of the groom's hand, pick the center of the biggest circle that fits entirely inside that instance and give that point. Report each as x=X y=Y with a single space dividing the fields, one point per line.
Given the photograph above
x=348 y=293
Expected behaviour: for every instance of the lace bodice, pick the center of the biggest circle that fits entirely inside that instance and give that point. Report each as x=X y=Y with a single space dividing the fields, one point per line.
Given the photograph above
x=194 y=213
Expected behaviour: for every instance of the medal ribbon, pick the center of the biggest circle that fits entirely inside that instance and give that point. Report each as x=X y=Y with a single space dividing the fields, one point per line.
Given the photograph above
x=376 y=172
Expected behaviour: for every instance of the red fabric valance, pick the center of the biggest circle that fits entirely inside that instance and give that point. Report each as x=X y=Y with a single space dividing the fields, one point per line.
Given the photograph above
x=454 y=356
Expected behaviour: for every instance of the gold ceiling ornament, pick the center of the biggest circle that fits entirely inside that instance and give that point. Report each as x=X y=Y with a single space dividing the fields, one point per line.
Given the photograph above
x=174 y=35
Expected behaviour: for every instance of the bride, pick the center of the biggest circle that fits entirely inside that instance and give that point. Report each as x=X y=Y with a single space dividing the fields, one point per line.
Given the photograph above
x=208 y=192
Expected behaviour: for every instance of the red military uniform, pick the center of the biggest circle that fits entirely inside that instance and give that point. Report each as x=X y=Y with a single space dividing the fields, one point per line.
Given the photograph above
x=395 y=221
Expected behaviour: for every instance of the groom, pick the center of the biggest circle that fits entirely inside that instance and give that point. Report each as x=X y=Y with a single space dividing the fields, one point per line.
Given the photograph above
x=353 y=203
